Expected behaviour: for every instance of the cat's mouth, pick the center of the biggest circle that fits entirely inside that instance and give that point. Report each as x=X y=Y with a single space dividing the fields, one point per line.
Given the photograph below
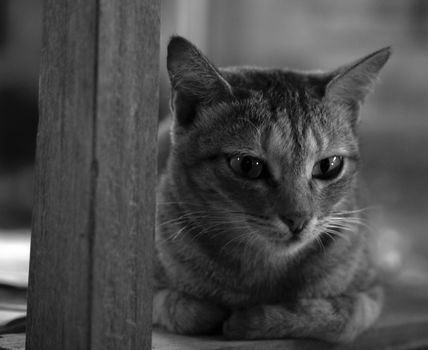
x=276 y=232
x=280 y=236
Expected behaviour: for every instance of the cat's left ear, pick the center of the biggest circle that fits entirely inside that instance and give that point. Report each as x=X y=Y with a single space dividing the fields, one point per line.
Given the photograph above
x=351 y=83
x=195 y=81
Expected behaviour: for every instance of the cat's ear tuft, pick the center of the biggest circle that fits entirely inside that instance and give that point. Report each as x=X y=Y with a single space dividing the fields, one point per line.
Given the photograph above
x=351 y=83
x=194 y=80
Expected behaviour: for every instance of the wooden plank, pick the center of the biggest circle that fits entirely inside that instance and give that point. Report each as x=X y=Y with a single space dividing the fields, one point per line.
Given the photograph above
x=403 y=325
x=128 y=116
x=91 y=254
x=12 y=342
x=60 y=258
x=404 y=336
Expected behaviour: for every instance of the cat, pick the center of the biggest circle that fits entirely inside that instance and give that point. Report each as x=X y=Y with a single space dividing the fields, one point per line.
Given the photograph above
x=260 y=232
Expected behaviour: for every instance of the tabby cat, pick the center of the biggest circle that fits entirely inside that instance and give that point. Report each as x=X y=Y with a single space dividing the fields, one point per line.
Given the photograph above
x=259 y=231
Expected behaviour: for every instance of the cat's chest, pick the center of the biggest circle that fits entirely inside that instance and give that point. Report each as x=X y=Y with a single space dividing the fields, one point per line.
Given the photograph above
x=207 y=280
x=196 y=275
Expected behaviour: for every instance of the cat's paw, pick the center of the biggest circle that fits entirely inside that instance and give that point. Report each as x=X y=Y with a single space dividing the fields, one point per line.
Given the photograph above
x=180 y=313
x=246 y=324
x=337 y=319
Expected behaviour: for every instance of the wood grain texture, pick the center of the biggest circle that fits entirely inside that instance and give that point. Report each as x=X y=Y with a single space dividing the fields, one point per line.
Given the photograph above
x=402 y=336
x=12 y=342
x=403 y=325
x=93 y=226
x=127 y=108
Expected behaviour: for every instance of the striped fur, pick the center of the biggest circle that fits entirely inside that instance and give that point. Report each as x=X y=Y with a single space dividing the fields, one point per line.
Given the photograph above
x=224 y=258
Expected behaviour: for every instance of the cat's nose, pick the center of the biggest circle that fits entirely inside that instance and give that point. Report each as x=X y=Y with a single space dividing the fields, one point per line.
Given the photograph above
x=296 y=222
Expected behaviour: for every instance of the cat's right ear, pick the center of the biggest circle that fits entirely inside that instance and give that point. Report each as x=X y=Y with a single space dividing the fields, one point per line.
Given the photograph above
x=195 y=81
x=351 y=83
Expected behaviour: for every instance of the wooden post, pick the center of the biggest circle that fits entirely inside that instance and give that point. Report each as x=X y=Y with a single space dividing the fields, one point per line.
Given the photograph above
x=94 y=213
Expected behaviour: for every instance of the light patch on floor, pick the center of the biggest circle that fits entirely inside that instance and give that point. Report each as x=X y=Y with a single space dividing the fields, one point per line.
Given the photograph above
x=14 y=257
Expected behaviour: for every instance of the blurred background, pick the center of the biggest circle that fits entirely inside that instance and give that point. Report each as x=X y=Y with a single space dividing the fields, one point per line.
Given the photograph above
x=301 y=34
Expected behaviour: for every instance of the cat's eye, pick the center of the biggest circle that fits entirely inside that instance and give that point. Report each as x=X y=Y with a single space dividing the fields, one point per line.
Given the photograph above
x=247 y=166
x=328 y=168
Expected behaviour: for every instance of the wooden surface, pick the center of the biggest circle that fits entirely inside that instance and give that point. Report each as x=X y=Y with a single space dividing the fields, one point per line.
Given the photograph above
x=12 y=342
x=89 y=283
x=411 y=336
x=403 y=325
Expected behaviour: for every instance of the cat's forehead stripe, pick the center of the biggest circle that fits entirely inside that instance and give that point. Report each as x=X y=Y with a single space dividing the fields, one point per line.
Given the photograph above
x=312 y=142
x=276 y=142
x=278 y=139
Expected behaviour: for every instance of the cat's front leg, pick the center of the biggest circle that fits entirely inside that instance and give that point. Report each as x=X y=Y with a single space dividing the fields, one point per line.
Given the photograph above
x=336 y=319
x=183 y=314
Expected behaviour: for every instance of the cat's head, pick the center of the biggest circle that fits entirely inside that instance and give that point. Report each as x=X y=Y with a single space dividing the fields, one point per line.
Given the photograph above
x=265 y=155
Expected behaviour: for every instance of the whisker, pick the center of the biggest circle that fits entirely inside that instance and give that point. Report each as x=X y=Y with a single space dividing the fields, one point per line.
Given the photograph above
x=333 y=234
x=232 y=240
x=355 y=211
x=319 y=241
